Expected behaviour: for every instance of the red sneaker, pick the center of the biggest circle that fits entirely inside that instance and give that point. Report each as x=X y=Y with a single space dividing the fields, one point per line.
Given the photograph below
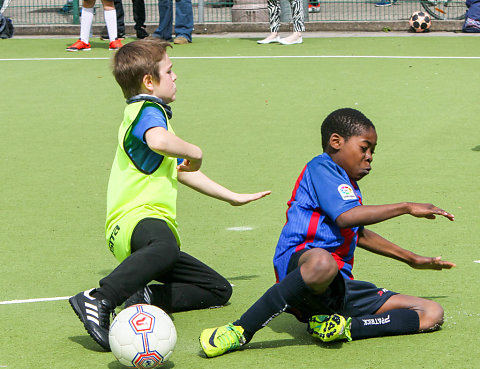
x=79 y=45
x=115 y=44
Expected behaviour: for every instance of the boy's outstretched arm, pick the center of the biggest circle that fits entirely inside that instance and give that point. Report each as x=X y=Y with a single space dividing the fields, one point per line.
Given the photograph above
x=203 y=184
x=375 y=243
x=371 y=214
x=165 y=143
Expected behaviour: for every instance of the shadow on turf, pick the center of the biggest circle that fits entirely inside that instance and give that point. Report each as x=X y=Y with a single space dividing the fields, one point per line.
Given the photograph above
x=243 y=277
x=252 y=39
x=476 y=148
x=286 y=323
x=100 y=44
x=87 y=342
x=433 y=297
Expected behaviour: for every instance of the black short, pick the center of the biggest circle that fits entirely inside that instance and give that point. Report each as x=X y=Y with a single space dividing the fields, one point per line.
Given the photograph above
x=343 y=296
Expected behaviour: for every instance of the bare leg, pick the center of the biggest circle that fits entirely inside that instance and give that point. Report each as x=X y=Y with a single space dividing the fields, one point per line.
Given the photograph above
x=108 y=4
x=318 y=269
x=429 y=312
x=88 y=3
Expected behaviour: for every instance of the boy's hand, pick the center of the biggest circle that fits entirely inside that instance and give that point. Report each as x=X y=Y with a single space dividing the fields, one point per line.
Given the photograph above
x=189 y=165
x=428 y=211
x=245 y=198
x=423 y=262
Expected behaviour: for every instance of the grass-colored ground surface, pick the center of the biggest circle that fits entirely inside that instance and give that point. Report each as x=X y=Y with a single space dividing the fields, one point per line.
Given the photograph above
x=258 y=122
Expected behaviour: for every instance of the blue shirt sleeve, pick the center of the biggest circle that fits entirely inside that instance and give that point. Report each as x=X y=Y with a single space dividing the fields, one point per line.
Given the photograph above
x=332 y=188
x=149 y=118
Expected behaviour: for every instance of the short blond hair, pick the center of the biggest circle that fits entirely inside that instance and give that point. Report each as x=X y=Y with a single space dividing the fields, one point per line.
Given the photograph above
x=135 y=60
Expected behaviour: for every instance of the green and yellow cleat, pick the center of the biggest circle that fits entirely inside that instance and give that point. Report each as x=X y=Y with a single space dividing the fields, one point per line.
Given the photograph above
x=217 y=341
x=330 y=328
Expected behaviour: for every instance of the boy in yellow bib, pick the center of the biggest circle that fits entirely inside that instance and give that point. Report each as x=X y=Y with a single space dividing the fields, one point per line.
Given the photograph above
x=141 y=228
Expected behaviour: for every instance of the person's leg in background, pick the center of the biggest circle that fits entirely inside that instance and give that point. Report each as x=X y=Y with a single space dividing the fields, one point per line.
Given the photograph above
x=183 y=21
x=298 y=24
x=86 y=21
x=139 y=18
x=165 y=14
x=120 y=22
x=110 y=16
x=274 y=20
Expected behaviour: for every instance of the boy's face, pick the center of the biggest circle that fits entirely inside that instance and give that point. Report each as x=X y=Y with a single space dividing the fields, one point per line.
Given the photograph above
x=166 y=88
x=356 y=154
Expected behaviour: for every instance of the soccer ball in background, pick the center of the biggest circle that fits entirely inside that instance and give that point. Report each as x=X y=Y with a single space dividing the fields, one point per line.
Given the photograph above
x=142 y=336
x=420 y=21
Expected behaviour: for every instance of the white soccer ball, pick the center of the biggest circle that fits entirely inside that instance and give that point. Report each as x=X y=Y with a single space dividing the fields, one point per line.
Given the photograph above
x=142 y=336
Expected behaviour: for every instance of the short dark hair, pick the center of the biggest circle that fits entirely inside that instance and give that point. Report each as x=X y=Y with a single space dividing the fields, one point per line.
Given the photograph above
x=135 y=60
x=345 y=122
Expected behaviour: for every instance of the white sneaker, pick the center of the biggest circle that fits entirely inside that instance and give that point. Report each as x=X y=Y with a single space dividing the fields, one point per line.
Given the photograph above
x=265 y=41
x=297 y=41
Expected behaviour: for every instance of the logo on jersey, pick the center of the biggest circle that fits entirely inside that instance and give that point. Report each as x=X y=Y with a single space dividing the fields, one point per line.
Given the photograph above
x=346 y=192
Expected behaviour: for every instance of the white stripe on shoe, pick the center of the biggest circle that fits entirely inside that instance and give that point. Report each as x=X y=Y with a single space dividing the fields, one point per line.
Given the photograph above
x=93 y=319
x=90 y=306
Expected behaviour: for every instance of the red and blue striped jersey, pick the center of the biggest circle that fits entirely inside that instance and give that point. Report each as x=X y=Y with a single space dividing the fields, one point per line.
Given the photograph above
x=322 y=192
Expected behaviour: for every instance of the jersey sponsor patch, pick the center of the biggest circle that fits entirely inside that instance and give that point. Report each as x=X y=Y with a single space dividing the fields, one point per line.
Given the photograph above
x=346 y=192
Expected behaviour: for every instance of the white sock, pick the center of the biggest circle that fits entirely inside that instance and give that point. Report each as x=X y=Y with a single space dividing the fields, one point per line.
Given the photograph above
x=111 y=21
x=86 y=24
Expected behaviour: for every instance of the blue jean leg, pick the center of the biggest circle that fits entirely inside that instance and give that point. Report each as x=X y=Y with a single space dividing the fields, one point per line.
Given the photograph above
x=184 y=19
x=165 y=11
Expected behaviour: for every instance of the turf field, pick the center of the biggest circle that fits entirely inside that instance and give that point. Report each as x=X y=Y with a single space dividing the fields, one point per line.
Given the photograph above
x=256 y=112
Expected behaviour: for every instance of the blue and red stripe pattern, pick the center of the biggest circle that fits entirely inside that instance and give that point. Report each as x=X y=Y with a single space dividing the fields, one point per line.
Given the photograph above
x=322 y=192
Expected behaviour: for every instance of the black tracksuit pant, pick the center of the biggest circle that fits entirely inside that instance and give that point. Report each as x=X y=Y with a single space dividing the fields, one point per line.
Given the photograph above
x=186 y=283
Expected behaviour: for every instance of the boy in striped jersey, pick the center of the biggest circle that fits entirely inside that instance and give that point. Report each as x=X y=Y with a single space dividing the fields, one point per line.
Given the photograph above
x=314 y=256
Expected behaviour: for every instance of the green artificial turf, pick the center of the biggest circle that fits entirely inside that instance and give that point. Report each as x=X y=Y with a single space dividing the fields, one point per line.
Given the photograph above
x=258 y=123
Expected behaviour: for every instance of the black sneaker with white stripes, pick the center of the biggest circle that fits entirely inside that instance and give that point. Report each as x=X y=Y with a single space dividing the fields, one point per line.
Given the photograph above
x=94 y=314
x=143 y=296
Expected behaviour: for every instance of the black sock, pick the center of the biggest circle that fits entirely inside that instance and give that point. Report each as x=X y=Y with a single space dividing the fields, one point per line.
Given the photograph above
x=393 y=322
x=274 y=302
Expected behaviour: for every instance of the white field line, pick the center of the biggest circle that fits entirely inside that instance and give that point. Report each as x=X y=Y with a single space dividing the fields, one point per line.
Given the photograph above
x=271 y=57
x=240 y=229
x=34 y=300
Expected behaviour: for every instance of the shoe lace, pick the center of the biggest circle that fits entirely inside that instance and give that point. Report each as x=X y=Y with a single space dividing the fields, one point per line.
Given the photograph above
x=147 y=295
x=230 y=337
x=105 y=311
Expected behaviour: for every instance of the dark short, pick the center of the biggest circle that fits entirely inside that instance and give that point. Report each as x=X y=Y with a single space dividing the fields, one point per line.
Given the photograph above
x=346 y=297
